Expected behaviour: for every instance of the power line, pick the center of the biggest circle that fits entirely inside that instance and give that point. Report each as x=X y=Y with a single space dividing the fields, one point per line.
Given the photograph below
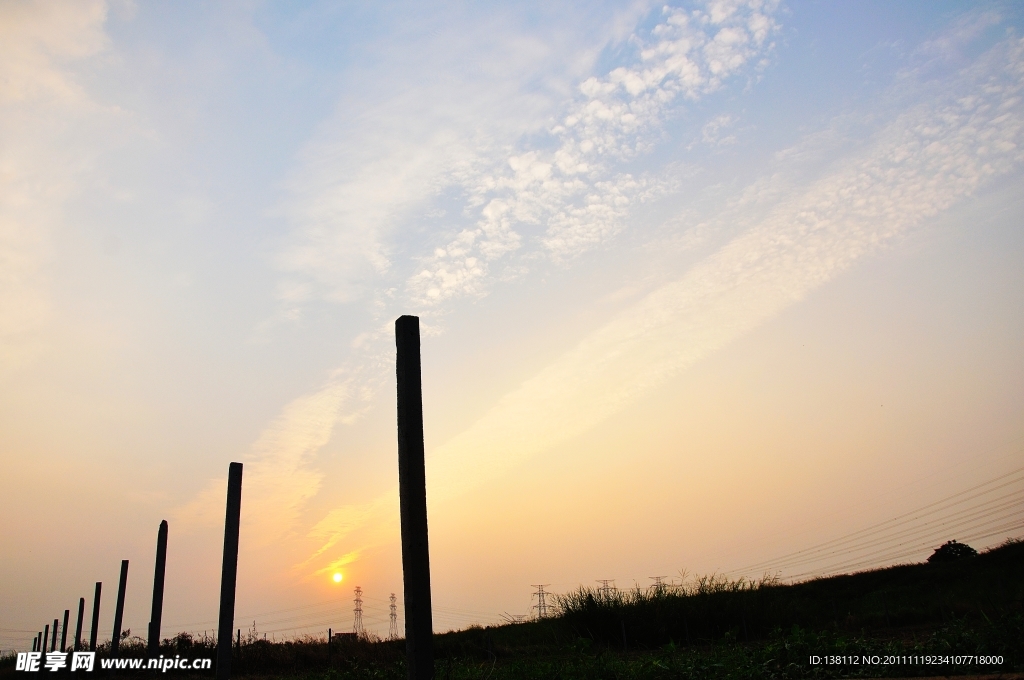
x=807 y=554
x=974 y=513
x=980 y=533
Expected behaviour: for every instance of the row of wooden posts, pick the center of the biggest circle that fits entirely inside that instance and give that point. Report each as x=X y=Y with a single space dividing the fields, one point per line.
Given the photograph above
x=227 y=592
x=415 y=552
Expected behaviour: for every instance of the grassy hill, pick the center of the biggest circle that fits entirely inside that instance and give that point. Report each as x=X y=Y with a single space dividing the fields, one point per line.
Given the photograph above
x=972 y=608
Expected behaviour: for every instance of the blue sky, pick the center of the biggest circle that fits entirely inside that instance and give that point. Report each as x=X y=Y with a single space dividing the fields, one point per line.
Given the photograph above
x=695 y=281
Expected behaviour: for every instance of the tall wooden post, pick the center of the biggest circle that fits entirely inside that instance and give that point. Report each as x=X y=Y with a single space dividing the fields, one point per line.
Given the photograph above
x=78 y=627
x=229 y=571
x=122 y=585
x=158 y=591
x=412 y=491
x=64 y=631
x=53 y=644
x=46 y=637
x=95 y=616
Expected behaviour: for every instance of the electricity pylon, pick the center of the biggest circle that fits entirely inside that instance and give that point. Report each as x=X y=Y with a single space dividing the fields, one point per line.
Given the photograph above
x=393 y=628
x=606 y=591
x=542 y=605
x=357 y=626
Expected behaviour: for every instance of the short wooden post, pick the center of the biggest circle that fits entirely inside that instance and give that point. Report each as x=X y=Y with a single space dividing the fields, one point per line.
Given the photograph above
x=78 y=626
x=229 y=571
x=95 y=616
x=156 y=611
x=35 y=642
x=64 y=631
x=412 y=491
x=122 y=585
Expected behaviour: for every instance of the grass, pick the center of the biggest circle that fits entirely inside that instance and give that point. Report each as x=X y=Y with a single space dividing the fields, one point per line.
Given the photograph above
x=712 y=627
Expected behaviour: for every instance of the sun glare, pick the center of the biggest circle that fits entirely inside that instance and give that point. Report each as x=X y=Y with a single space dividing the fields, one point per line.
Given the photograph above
x=337 y=578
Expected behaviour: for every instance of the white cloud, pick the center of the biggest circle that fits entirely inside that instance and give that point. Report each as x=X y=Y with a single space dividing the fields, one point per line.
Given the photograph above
x=573 y=197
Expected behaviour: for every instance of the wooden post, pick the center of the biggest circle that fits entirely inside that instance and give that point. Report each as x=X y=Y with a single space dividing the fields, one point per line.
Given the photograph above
x=53 y=643
x=329 y=635
x=64 y=631
x=78 y=627
x=35 y=642
x=122 y=585
x=229 y=571
x=412 y=491
x=158 y=591
x=46 y=638
x=95 y=616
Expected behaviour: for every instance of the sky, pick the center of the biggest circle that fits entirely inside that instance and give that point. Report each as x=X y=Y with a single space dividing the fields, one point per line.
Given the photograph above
x=729 y=287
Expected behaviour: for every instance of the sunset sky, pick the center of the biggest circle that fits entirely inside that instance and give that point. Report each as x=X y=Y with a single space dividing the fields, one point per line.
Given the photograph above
x=701 y=285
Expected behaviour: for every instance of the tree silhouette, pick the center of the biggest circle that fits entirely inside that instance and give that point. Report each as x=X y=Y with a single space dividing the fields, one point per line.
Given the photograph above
x=950 y=551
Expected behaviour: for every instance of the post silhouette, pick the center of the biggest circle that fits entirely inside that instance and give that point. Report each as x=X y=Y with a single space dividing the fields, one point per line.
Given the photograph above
x=78 y=627
x=115 y=643
x=412 y=491
x=35 y=642
x=46 y=638
x=64 y=631
x=53 y=643
x=158 y=590
x=95 y=616
x=229 y=571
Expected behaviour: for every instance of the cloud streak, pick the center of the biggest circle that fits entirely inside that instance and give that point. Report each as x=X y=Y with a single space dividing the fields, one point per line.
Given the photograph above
x=923 y=163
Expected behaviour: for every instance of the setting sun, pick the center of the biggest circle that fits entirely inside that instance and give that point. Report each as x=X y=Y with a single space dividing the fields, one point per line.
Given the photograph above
x=337 y=578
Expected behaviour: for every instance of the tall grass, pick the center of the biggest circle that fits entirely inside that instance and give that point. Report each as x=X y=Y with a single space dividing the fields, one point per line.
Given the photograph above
x=711 y=608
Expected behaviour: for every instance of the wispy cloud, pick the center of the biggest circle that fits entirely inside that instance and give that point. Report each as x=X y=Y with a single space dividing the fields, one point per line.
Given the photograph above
x=279 y=474
x=435 y=192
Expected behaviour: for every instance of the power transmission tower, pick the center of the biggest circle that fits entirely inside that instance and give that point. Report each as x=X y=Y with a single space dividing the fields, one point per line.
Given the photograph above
x=393 y=628
x=542 y=605
x=357 y=627
x=659 y=585
x=606 y=591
